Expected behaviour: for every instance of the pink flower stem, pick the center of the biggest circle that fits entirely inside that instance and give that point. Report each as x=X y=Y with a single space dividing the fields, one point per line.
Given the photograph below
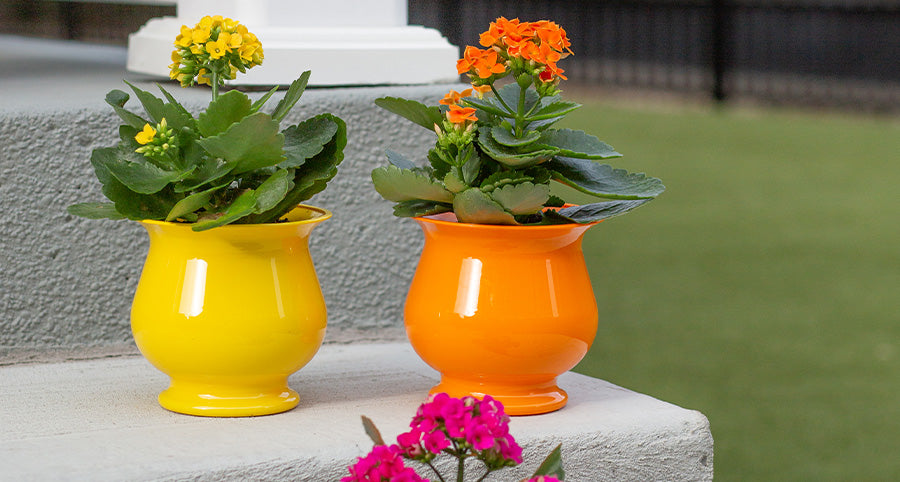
x=433 y=469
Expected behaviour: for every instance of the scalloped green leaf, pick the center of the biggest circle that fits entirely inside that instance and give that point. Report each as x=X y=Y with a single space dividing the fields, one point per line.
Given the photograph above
x=117 y=99
x=399 y=160
x=273 y=189
x=488 y=105
x=412 y=110
x=175 y=113
x=291 y=97
x=504 y=137
x=578 y=144
x=413 y=209
x=95 y=211
x=250 y=144
x=510 y=157
x=553 y=110
x=591 y=213
x=510 y=94
x=524 y=198
x=306 y=139
x=152 y=104
x=229 y=108
x=128 y=203
x=135 y=171
x=372 y=431
x=244 y=204
x=453 y=183
x=602 y=180
x=501 y=178
x=395 y=184
x=474 y=206
x=207 y=171
x=192 y=203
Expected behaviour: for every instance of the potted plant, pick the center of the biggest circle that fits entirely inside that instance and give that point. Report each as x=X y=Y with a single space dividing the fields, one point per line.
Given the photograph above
x=228 y=303
x=501 y=302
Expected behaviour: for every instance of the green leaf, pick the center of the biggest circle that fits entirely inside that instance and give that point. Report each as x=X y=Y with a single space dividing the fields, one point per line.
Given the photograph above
x=262 y=100
x=552 y=465
x=291 y=97
x=153 y=105
x=174 y=103
x=577 y=144
x=307 y=139
x=474 y=206
x=399 y=160
x=312 y=177
x=553 y=111
x=117 y=99
x=274 y=189
x=510 y=157
x=229 y=108
x=192 y=203
x=488 y=105
x=453 y=183
x=417 y=112
x=602 y=180
x=372 y=431
x=510 y=94
x=135 y=171
x=240 y=207
x=472 y=168
x=414 y=209
x=591 y=213
x=395 y=184
x=250 y=144
x=128 y=203
x=207 y=171
x=501 y=178
x=525 y=198
x=504 y=137
x=95 y=211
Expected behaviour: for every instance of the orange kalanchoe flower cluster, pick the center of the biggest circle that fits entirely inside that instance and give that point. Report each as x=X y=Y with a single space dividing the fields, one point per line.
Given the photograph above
x=456 y=114
x=537 y=46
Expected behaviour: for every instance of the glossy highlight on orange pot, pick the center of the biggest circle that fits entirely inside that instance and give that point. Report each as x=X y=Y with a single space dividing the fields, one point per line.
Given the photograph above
x=501 y=310
x=230 y=313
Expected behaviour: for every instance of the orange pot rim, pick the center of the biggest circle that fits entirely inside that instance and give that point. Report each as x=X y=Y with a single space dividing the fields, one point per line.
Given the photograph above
x=435 y=219
x=323 y=214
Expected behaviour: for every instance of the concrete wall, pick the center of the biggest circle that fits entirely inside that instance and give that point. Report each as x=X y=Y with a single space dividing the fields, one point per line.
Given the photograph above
x=69 y=281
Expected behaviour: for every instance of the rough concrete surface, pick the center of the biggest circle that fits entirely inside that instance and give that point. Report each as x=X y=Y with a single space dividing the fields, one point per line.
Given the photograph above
x=98 y=420
x=67 y=281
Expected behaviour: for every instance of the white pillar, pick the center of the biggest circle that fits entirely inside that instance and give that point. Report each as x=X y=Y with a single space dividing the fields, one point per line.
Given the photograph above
x=343 y=42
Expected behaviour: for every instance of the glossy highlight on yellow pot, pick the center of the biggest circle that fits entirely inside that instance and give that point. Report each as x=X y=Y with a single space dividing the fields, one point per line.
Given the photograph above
x=230 y=313
x=501 y=310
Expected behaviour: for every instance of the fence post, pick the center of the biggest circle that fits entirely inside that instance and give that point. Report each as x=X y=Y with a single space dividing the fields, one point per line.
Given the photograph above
x=719 y=49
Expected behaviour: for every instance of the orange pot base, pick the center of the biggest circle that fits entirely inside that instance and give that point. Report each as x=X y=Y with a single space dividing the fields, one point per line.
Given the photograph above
x=516 y=399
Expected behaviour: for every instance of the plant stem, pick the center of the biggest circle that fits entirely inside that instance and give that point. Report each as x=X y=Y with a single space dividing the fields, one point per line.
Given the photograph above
x=520 y=116
x=433 y=469
x=461 y=469
x=214 y=83
x=497 y=95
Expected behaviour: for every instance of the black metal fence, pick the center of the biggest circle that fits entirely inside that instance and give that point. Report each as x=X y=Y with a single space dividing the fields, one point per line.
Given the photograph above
x=843 y=53
x=836 y=53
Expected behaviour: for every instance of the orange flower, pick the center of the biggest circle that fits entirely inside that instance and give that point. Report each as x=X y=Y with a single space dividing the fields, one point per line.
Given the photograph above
x=461 y=115
x=483 y=62
x=552 y=35
x=481 y=89
x=454 y=97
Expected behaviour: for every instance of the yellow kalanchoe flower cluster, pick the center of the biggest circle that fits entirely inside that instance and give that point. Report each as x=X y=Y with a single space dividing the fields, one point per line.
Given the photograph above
x=216 y=48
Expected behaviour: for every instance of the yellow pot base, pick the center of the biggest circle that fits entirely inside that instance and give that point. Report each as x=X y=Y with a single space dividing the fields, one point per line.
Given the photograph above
x=210 y=401
x=531 y=399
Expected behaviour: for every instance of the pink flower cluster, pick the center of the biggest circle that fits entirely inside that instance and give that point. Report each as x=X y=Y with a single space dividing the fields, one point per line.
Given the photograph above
x=384 y=463
x=466 y=424
x=543 y=478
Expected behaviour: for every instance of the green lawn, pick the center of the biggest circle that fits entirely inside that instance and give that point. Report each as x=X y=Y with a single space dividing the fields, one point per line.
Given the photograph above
x=762 y=288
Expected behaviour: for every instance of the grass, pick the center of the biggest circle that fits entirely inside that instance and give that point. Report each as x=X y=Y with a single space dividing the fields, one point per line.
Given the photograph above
x=763 y=288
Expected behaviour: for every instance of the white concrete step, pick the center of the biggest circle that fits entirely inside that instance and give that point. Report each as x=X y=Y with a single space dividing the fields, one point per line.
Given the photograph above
x=98 y=420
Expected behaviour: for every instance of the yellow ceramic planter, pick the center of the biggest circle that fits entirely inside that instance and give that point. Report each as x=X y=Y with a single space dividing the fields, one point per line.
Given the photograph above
x=501 y=310
x=229 y=313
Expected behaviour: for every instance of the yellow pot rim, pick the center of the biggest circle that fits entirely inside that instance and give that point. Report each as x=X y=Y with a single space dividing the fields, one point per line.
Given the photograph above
x=323 y=214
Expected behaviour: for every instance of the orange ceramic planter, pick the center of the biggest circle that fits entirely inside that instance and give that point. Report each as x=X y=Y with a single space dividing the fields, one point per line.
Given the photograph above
x=501 y=310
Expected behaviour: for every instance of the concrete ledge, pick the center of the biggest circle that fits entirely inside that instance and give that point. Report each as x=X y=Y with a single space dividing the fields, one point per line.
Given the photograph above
x=98 y=420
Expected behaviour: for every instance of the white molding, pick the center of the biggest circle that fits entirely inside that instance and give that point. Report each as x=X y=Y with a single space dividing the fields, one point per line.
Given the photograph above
x=387 y=51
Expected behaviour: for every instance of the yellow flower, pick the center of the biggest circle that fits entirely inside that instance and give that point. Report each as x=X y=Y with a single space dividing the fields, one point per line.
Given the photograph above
x=206 y=23
x=217 y=48
x=200 y=35
x=203 y=77
x=146 y=135
x=185 y=38
x=235 y=40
